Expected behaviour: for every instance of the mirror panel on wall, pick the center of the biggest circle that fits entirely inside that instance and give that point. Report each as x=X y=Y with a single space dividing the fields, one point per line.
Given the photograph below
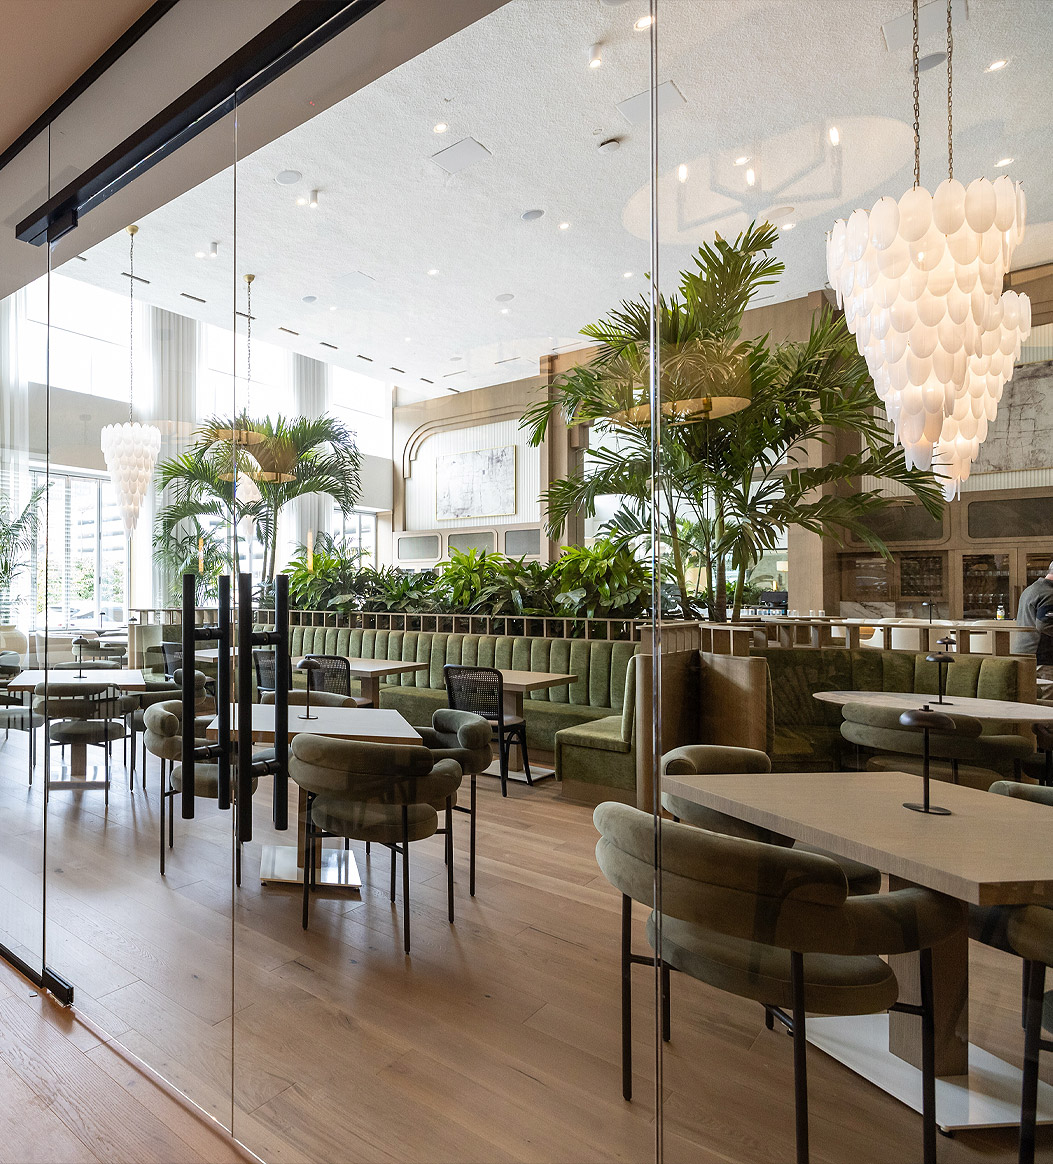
x=139 y=896
x=25 y=513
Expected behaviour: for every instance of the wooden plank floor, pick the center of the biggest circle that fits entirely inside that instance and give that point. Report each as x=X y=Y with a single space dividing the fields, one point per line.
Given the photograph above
x=497 y=1040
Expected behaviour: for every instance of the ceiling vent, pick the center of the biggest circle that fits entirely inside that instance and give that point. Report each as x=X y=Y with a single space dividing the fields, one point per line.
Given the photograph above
x=638 y=109
x=187 y=295
x=461 y=155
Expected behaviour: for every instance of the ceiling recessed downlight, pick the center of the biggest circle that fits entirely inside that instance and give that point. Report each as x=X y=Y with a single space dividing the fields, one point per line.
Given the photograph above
x=751 y=177
x=835 y=135
x=627 y=275
x=288 y=177
x=309 y=299
x=504 y=297
x=1004 y=162
x=313 y=203
x=595 y=55
x=743 y=160
x=505 y=310
x=532 y=215
x=433 y=271
x=439 y=127
x=564 y=226
x=787 y=226
x=644 y=23
x=994 y=66
x=778 y=212
x=681 y=172
x=199 y=254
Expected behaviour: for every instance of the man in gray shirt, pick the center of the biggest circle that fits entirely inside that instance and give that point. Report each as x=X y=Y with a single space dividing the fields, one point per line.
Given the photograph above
x=1036 y=609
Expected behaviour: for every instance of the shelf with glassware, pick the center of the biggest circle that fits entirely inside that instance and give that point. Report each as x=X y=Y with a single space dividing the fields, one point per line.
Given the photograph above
x=975 y=560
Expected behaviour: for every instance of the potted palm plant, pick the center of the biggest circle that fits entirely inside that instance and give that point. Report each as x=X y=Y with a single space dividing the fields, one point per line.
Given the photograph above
x=17 y=542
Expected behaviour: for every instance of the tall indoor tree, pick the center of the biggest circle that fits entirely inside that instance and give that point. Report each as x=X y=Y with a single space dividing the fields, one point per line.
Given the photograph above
x=734 y=483
x=295 y=457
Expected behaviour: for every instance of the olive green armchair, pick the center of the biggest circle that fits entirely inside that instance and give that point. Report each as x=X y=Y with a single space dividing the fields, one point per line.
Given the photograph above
x=774 y=925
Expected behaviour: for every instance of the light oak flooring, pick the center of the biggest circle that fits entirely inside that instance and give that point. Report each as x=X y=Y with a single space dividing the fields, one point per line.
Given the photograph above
x=496 y=1040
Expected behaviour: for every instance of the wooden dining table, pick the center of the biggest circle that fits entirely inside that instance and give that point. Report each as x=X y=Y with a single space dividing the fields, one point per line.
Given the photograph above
x=1008 y=710
x=517 y=685
x=369 y=672
x=283 y=864
x=991 y=850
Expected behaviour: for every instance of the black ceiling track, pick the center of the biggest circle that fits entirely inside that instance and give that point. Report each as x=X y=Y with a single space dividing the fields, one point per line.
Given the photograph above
x=291 y=38
x=114 y=53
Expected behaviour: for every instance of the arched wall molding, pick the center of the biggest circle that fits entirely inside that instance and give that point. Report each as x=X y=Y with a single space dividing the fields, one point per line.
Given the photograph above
x=471 y=418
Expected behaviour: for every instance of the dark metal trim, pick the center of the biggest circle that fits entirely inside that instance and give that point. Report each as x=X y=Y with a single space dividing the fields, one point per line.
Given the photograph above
x=291 y=38
x=88 y=78
x=48 y=980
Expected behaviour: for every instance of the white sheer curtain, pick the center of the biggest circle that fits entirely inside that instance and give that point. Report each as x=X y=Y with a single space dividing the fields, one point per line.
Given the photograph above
x=311 y=392
x=14 y=430
x=175 y=357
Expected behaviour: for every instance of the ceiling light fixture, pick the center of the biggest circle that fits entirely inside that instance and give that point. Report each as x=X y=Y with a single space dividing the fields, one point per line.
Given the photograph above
x=564 y=226
x=504 y=297
x=333 y=307
x=627 y=275
x=532 y=215
x=644 y=23
x=751 y=177
x=213 y=251
x=505 y=310
x=595 y=55
x=199 y=254
x=309 y=299
x=610 y=145
x=439 y=127
x=1004 y=162
x=787 y=226
x=301 y=201
x=834 y=135
x=681 y=172
x=130 y=450
x=288 y=177
x=433 y=271
x=921 y=284
x=314 y=200
x=994 y=66
x=742 y=161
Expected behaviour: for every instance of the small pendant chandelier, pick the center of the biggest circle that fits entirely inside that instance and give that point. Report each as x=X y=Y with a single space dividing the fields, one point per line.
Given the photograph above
x=130 y=449
x=920 y=281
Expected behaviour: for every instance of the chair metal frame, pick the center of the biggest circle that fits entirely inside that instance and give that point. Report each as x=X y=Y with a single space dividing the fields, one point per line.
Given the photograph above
x=333 y=674
x=484 y=695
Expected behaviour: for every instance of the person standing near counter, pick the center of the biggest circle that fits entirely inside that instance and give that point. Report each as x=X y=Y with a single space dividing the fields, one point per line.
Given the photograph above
x=1035 y=609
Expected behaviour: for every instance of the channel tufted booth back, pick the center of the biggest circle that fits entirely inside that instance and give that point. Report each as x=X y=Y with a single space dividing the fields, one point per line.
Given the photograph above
x=599 y=665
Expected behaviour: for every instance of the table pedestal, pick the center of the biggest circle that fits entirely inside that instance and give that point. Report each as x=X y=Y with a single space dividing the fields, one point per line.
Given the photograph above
x=337 y=867
x=987 y=1097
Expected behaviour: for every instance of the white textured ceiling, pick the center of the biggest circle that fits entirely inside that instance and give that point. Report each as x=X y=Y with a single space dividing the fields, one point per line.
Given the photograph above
x=763 y=78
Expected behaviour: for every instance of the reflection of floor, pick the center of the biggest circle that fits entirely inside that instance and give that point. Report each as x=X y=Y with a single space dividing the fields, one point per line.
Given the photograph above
x=497 y=1040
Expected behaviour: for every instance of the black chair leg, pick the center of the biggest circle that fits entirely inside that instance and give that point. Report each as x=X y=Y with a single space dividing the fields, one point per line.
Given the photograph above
x=627 y=999
x=405 y=877
x=449 y=855
x=1036 y=980
x=800 y=1056
x=928 y=1060
x=471 y=854
x=526 y=758
x=502 y=751
x=308 y=861
x=392 y=848
x=163 y=805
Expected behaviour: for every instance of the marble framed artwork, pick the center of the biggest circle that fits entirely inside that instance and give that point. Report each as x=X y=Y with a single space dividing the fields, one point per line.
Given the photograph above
x=476 y=483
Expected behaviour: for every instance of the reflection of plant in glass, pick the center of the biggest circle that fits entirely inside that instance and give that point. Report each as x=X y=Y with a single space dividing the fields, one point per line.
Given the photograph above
x=17 y=538
x=186 y=551
x=738 y=481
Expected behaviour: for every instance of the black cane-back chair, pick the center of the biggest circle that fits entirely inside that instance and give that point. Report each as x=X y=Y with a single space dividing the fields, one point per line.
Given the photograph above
x=481 y=690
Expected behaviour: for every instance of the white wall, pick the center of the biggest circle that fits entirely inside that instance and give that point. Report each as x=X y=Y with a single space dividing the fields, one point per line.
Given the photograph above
x=420 y=487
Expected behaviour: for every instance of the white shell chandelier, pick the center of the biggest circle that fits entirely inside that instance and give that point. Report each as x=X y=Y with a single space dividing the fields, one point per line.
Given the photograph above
x=130 y=449
x=920 y=280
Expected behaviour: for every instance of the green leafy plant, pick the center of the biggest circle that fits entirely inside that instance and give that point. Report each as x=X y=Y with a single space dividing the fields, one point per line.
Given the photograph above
x=318 y=577
x=604 y=580
x=17 y=540
x=728 y=487
x=195 y=549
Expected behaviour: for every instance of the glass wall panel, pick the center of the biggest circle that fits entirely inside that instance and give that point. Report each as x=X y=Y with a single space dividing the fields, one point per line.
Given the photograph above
x=24 y=515
x=139 y=886
x=433 y=247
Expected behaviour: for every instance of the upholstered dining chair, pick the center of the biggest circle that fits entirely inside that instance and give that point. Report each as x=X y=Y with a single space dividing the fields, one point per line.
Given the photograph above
x=80 y=714
x=774 y=925
x=371 y=792
x=164 y=739
x=713 y=759
x=966 y=756
x=1039 y=764
x=465 y=738
x=1027 y=931
x=481 y=691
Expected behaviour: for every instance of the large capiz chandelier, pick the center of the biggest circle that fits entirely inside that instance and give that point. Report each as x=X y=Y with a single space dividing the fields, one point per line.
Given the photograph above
x=920 y=280
x=130 y=449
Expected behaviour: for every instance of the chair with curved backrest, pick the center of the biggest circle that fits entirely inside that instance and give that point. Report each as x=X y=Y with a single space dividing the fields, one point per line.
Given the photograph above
x=370 y=792
x=481 y=691
x=711 y=759
x=332 y=674
x=265 y=664
x=80 y=714
x=173 y=656
x=774 y=925
x=1039 y=765
x=464 y=738
x=1027 y=931
x=965 y=757
x=164 y=738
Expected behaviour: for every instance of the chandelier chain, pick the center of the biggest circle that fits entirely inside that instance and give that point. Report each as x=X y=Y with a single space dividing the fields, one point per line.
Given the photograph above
x=917 y=104
x=131 y=320
x=950 y=115
x=248 y=346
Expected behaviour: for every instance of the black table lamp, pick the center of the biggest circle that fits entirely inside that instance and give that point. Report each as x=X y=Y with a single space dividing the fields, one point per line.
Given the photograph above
x=308 y=665
x=942 y=659
x=927 y=720
x=81 y=642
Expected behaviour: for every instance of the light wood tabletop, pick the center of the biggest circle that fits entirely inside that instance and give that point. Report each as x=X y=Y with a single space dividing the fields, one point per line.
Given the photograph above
x=1002 y=709
x=523 y=681
x=126 y=680
x=369 y=724
x=371 y=671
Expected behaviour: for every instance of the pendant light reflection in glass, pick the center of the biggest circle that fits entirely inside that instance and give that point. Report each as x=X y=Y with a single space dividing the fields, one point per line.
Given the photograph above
x=700 y=380
x=130 y=450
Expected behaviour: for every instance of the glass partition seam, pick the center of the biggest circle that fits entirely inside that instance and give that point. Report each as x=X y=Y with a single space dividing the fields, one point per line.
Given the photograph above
x=656 y=590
